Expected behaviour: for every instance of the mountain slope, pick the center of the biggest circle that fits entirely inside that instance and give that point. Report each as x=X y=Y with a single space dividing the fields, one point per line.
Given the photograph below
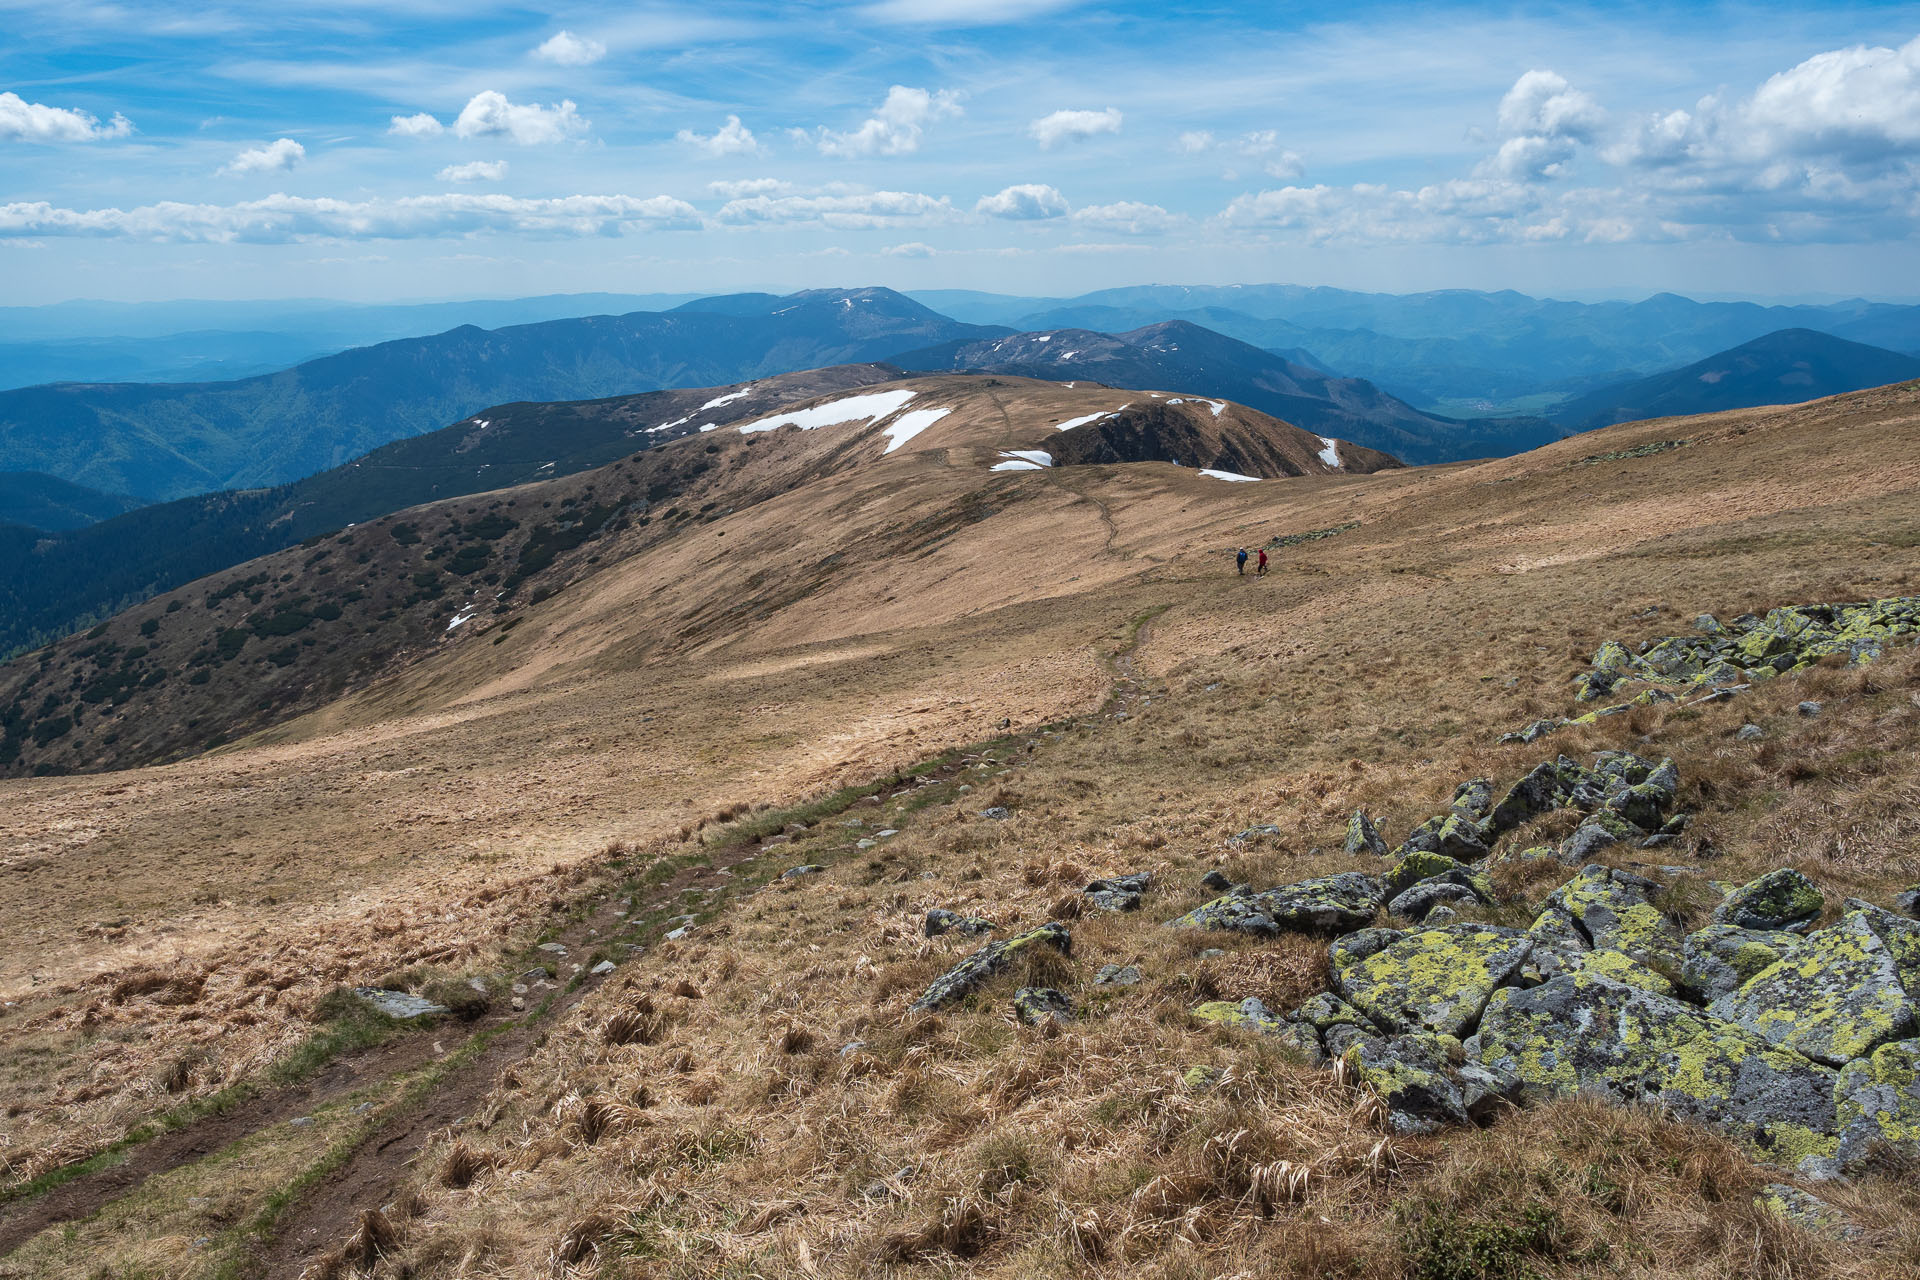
x=1781 y=368
x=50 y=503
x=50 y=584
x=254 y=644
x=165 y=441
x=1186 y=357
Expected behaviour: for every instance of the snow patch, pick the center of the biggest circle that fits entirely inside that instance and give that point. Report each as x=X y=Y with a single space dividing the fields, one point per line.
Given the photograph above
x=709 y=426
x=1226 y=475
x=1071 y=423
x=1016 y=464
x=908 y=425
x=717 y=401
x=1038 y=457
x=1218 y=406
x=865 y=408
x=464 y=616
x=1045 y=337
x=1331 y=453
x=481 y=424
x=668 y=426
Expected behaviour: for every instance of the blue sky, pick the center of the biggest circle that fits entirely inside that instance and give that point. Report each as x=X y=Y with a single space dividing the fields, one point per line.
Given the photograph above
x=454 y=148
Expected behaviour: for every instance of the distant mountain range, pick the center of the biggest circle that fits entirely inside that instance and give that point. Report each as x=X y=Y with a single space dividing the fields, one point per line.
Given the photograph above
x=162 y=441
x=1781 y=368
x=43 y=502
x=1180 y=356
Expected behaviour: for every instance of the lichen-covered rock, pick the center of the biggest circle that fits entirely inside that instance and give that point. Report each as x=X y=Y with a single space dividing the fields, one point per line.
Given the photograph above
x=971 y=973
x=1420 y=900
x=1836 y=998
x=1452 y=834
x=1114 y=975
x=1435 y=980
x=1410 y=1074
x=399 y=1004
x=1877 y=1101
x=1363 y=836
x=1907 y=902
x=1201 y=1078
x=1645 y=803
x=1779 y=900
x=1416 y=866
x=1588 y=839
x=1721 y=957
x=1806 y=1211
x=1589 y=1033
x=1250 y=1014
x=1548 y=786
x=1326 y=1011
x=1473 y=799
x=940 y=920
x=1119 y=893
x=1328 y=904
x=1614 y=909
x=1035 y=1005
x=1351 y=948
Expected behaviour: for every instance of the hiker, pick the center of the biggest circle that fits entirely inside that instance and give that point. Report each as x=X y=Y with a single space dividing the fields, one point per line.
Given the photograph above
x=1240 y=560
x=1261 y=568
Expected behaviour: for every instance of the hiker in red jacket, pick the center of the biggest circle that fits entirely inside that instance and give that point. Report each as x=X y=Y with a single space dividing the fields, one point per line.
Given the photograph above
x=1260 y=566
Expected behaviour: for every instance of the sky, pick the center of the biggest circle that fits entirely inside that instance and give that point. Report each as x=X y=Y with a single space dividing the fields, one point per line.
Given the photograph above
x=414 y=149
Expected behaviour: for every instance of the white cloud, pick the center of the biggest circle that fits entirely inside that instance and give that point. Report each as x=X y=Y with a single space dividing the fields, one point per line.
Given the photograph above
x=474 y=171
x=730 y=139
x=281 y=154
x=896 y=128
x=569 y=50
x=962 y=13
x=1195 y=142
x=23 y=121
x=1545 y=120
x=1027 y=202
x=416 y=126
x=844 y=212
x=734 y=188
x=912 y=249
x=1073 y=126
x=280 y=219
x=488 y=114
x=1130 y=217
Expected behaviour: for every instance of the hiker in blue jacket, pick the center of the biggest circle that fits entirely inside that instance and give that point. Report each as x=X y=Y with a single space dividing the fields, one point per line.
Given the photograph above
x=1240 y=561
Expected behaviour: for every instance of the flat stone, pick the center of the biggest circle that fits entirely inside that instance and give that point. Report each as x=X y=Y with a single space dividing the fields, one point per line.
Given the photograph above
x=974 y=971
x=602 y=969
x=1434 y=980
x=1719 y=959
x=1878 y=1104
x=940 y=920
x=399 y=1004
x=1114 y=975
x=1035 y=1005
x=805 y=869
x=1329 y=904
x=997 y=812
x=1834 y=999
x=1778 y=900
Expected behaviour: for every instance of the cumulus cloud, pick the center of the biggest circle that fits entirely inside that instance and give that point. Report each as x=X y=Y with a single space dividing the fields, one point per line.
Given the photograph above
x=474 y=171
x=280 y=219
x=734 y=188
x=416 y=126
x=1027 y=202
x=856 y=211
x=1129 y=217
x=278 y=155
x=1059 y=127
x=730 y=139
x=1195 y=142
x=896 y=128
x=23 y=121
x=1545 y=120
x=911 y=249
x=489 y=114
x=569 y=50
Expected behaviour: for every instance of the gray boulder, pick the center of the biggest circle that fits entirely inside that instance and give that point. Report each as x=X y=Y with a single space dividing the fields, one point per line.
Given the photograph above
x=1119 y=893
x=1778 y=900
x=1329 y=904
x=1615 y=911
x=973 y=972
x=1035 y=1005
x=940 y=920
x=1410 y=1073
x=1718 y=959
x=1363 y=836
x=1878 y=1104
x=1422 y=898
x=1836 y=998
x=1435 y=980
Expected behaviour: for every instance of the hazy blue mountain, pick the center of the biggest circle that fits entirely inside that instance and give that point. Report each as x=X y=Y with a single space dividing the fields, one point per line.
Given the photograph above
x=49 y=503
x=161 y=441
x=1182 y=357
x=1781 y=368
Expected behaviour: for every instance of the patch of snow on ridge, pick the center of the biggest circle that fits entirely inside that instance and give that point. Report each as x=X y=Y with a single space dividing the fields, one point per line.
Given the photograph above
x=908 y=425
x=481 y=424
x=1039 y=457
x=1071 y=423
x=1331 y=454
x=717 y=401
x=465 y=615
x=852 y=409
x=668 y=426
x=1219 y=407
x=1226 y=475
x=1016 y=464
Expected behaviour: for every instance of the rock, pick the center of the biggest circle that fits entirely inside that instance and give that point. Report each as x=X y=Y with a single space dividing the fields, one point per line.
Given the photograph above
x=1329 y=904
x=1718 y=959
x=1253 y=833
x=1473 y=800
x=1326 y=1011
x=518 y=1003
x=1907 y=902
x=1113 y=975
x=1806 y=1211
x=1614 y=910
x=865 y=843
x=1435 y=980
x=1836 y=998
x=971 y=973
x=1588 y=1033
x=1418 y=866
x=887 y=834
x=1362 y=836
x=1409 y=1073
x=1533 y=732
x=1708 y=624
x=1778 y=900
x=1588 y=838
x=1878 y=1102
x=1440 y=915
x=301 y=1122
x=770 y=841
x=1808 y=708
x=1419 y=900
x=997 y=812
x=1542 y=790
x=1035 y=1005
x=1248 y=1015
x=805 y=869
x=674 y=935
x=398 y=1004
x=1645 y=803
x=1216 y=881
x=1485 y=1091
x=1749 y=733
x=602 y=969
x=1119 y=893
x=1201 y=1079
x=940 y=920
x=553 y=948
